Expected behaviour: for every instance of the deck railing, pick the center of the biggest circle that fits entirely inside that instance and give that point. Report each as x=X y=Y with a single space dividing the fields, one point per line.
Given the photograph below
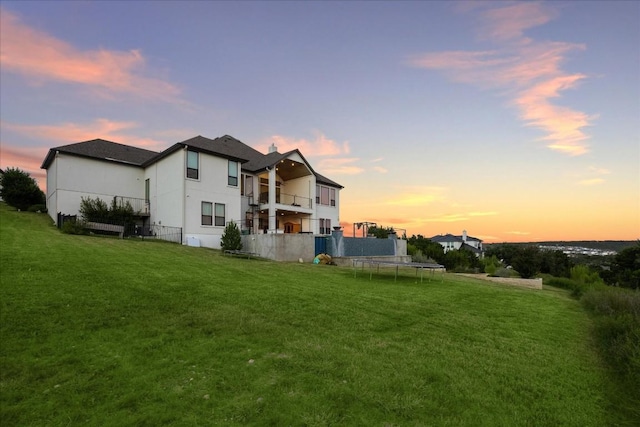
x=140 y=206
x=288 y=199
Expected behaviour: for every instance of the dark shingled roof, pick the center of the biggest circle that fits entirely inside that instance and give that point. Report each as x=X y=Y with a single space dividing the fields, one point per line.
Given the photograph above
x=225 y=146
x=451 y=238
x=101 y=149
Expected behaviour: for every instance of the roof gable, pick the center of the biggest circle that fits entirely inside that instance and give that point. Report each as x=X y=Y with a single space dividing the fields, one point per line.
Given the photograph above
x=225 y=146
x=101 y=149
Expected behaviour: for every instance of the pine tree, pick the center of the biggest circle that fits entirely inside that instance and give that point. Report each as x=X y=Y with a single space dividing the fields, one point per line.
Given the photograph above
x=231 y=238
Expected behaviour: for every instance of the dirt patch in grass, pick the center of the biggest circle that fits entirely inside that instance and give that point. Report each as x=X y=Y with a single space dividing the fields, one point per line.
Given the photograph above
x=523 y=283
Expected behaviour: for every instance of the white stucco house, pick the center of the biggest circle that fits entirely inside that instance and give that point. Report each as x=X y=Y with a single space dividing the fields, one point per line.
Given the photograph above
x=450 y=242
x=198 y=185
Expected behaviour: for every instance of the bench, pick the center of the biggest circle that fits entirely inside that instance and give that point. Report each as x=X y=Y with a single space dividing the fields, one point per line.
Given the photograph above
x=106 y=227
x=241 y=253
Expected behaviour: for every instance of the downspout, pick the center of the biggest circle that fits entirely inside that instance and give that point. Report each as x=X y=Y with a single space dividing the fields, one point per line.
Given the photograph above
x=184 y=192
x=272 y=199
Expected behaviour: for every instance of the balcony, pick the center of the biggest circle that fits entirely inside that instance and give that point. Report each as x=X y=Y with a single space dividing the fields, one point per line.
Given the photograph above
x=290 y=200
x=140 y=206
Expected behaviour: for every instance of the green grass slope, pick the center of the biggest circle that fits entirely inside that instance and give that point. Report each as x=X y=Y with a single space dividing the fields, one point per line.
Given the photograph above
x=101 y=331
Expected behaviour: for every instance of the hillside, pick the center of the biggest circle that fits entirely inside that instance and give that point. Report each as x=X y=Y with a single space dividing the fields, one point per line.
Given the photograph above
x=102 y=331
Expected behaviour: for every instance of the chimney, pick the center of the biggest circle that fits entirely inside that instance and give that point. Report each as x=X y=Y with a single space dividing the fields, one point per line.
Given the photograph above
x=464 y=236
x=273 y=148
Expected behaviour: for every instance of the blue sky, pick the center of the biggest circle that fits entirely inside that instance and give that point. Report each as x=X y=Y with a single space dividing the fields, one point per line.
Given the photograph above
x=513 y=120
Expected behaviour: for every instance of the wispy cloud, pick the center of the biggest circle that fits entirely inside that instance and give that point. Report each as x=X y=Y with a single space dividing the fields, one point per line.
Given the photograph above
x=332 y=157
x=526 y=70
x=26 y=159
x=417 y=196
x=68 y=133
x=519 y=233
x=318 y=146
x=42 y=57
x=594 y=176
x=341 y=166
x=380 y=169
x=591 y=181
x=489 y=213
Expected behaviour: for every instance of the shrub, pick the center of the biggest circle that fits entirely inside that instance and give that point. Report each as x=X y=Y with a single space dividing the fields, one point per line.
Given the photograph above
x=504 y=272
x=583 y=274
x=576 y=287
x=491 y=265
x=617 y=327
x=93 y=209
x=74 y=227
x=231 y=240
x=38 y=208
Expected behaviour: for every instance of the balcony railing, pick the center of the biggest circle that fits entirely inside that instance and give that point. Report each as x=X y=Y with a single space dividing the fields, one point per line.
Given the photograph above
x=140 y=206
x=288 y=199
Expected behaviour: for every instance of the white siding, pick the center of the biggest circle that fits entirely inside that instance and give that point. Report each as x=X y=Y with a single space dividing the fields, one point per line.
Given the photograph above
x=166 y=190
x=52 y=193
x=73 y=178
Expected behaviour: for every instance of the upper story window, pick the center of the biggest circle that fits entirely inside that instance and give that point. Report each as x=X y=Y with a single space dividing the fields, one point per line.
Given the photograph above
x=325 y=195
x=233 y=173
x=192 y=164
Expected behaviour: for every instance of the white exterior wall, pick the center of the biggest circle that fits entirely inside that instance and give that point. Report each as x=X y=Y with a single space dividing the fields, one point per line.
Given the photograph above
x=52 y=190
x=166 y=190
x=327 y=212
x=211 y=186
x=304 y=187
x=73 y=178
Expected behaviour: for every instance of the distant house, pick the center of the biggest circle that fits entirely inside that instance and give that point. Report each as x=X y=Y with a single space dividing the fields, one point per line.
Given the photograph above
x=450 y=242
x=198 y=185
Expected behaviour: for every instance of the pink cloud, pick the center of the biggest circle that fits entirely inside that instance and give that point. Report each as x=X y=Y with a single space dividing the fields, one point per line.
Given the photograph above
x=42 y=57
x=317 y=147
x=341 y=166
x=68 y=133
x=526 y=70
x=26 y=159
x=510 y=22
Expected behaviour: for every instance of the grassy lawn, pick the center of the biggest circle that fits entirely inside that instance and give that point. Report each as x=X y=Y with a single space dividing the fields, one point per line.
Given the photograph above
x=102 y=331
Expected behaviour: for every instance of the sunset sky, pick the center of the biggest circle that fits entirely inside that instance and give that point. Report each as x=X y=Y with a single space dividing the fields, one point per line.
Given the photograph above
x=516 y=121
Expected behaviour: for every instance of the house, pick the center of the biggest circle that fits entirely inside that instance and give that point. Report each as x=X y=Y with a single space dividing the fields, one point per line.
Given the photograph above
x=450 y=242
x=197 y=186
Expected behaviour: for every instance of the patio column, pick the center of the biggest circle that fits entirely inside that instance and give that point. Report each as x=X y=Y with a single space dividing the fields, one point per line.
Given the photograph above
x=272 y=199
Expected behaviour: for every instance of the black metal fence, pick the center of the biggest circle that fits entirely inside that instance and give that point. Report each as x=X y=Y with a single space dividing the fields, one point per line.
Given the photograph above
x=134 y=228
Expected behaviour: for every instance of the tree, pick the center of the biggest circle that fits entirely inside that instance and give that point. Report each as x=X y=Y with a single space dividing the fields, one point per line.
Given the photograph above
x=379 y=232
x=429 y=249
x=527 y=261
x=231 y=238
x=20 y=190
x=625 y=269
x=556 y=263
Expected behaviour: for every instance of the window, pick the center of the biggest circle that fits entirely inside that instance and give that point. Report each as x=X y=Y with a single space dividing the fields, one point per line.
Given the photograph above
x=220 y=221
x=147 y=190
x=325 y=195
x=207 y=213
x=248 y=185
x=192 y=164
x=233 y=173
x=325 y=226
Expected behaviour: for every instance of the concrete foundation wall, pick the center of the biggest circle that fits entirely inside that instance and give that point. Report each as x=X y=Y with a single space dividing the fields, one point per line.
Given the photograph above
x=281 y=247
